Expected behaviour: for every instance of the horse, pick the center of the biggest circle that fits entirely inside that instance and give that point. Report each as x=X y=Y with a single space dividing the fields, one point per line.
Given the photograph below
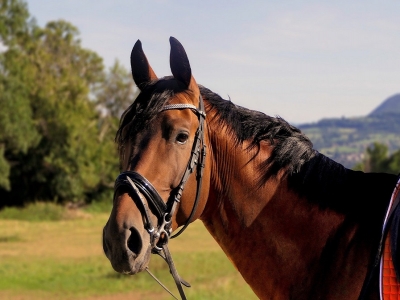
x=296 y=224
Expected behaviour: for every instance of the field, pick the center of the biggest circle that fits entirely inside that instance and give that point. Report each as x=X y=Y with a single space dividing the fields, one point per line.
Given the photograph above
x=63 y=259
x=345 y=140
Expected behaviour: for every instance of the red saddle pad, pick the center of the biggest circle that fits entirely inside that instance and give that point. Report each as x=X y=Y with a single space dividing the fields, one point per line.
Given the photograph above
x=390 y=286
x=389 y=283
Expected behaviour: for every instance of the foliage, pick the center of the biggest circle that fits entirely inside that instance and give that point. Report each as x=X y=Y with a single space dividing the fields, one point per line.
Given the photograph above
x=377 y=159
x=116 y=92
x=113 y=95
x=17 y=130
x=102 y=205
x=59 y=112
x=13 y=20
x=346 y=139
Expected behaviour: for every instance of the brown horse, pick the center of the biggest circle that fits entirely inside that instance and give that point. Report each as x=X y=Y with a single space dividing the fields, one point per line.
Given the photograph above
x=296 y=224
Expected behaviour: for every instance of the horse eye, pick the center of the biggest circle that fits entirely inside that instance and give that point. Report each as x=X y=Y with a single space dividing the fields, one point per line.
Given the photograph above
x=182 y=138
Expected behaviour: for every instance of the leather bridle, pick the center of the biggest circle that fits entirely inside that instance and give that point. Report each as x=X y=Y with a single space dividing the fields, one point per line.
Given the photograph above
x=145 y=193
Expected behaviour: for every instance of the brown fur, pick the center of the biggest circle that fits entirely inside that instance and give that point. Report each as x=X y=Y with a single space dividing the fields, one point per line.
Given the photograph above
x=283 y=237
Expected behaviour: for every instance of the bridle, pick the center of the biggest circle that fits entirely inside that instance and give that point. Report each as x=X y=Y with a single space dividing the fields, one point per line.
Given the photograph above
x=145 y=193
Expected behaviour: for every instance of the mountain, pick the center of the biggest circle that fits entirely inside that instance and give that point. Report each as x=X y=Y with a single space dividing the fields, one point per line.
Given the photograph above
x=346 y=139
x=392 y=104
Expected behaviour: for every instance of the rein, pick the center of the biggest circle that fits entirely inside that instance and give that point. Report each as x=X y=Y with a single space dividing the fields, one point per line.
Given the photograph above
x=146 y=193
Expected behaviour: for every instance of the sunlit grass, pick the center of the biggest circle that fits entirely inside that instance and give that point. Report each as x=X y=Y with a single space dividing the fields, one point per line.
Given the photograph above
x=40 y=211
x=64 y=260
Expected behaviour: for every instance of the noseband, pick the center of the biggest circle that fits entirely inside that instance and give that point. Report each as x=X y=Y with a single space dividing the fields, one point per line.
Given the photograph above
x=146 y=193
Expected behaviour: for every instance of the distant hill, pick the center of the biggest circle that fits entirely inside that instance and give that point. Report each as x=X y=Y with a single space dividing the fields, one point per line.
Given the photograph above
x=390 y=105
x=346 y=139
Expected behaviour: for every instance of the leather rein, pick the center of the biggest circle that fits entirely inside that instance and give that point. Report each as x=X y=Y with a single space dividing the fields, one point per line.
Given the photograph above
x=145 y=193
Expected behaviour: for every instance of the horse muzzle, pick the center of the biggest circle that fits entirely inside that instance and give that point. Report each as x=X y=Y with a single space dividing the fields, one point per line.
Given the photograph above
x=128 y=250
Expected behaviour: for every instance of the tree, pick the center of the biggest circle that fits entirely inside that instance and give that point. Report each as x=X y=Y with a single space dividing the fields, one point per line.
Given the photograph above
x=378 y=159
x=17 y=128
x=393 y=163
x=13 y=21
x=113 y=96
x=53 y=145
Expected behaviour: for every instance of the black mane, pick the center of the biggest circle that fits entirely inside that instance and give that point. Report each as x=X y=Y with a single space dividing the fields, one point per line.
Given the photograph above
x=291 y=148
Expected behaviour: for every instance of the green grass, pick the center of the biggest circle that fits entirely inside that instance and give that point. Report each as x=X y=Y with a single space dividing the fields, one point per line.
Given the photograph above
x=63 y=260
x=91 y=277
x=40 y=211
x=103 y=206
x=47 y=211
x=71 y=278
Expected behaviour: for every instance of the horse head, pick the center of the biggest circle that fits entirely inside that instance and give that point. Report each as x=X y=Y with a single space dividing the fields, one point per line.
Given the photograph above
x=161 y=140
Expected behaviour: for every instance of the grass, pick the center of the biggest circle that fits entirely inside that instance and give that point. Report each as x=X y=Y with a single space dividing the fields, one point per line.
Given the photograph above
x=48 y=259
x=40 y=211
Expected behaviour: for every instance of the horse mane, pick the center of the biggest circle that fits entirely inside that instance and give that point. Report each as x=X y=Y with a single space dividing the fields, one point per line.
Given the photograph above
x=291 y=148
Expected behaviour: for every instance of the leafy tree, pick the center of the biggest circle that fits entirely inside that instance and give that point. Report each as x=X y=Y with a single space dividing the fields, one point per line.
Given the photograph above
x=13 y=20
x=377 y=159
x=17 y=128
x=394 y=163
x=54 y=144
x=113 y=96
x=117 y=91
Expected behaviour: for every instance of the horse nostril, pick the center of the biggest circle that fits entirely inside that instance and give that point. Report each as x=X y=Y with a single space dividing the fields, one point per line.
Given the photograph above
x=134 y=242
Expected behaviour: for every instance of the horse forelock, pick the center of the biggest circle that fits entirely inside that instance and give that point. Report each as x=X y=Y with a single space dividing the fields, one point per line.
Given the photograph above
x=144 y=109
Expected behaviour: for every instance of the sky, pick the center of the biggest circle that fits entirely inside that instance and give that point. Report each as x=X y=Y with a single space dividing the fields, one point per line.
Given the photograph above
x=301 y=60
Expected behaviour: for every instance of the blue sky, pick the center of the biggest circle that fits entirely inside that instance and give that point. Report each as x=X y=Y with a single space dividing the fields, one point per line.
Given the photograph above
x=301 y=60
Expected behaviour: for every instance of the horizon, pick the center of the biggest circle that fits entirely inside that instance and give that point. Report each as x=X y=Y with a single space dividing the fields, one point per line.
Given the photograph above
x=379 y=106
x=304 y=61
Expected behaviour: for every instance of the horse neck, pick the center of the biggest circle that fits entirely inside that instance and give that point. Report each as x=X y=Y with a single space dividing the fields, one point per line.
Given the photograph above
x=274 y=222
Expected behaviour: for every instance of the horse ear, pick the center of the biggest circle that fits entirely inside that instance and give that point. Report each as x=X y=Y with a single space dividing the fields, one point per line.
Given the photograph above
x=142 y=73
x=179 y=62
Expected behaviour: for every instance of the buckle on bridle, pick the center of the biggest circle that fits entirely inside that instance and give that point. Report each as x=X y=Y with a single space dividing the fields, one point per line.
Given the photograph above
x=161 y=236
